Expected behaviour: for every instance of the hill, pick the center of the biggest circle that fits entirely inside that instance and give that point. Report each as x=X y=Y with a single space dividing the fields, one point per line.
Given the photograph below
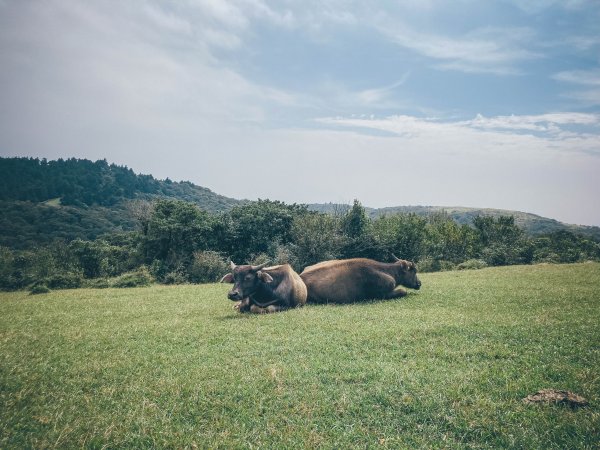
x=73 y=198
x=531 y=223
x=83 y=183
x=76 y=198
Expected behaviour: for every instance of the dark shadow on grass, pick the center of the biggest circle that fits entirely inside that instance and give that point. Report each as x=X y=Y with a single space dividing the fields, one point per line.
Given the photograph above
x=366 y=302
x=244 y=316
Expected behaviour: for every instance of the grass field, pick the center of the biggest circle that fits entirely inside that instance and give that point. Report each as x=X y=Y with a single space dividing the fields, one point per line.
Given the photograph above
x=175 y=367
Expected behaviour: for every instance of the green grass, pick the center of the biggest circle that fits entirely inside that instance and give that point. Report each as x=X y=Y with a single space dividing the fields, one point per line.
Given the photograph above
x=175 y=366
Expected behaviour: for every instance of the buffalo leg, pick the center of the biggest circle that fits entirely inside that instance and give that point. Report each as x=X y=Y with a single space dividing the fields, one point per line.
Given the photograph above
x=267 y=310
x=397 y=293
x=243 y=306
x=382 y=286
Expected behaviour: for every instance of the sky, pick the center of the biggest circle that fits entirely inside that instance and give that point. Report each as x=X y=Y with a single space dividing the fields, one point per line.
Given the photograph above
x=490 y=103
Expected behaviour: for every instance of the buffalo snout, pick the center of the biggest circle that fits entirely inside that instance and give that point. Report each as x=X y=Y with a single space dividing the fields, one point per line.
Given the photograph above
x=234 y=294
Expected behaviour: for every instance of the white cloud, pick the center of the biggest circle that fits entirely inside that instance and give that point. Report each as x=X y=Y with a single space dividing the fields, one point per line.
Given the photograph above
x=223 y=11
x=537 y=6
x=167 y=21
x=584 y=77
x=542 y=122
x=587 y=98
x=378 y=95
x=514 y=136
x=77 y=77
x=485 y=50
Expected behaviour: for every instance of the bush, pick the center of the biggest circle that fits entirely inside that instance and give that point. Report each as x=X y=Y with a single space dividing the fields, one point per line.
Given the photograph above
x=548 y=258
x=38 y=289
x=472 y=264
x=175 y=277
x=316 y=237
x=140 y=277
x=261 y=258
x=98 y=283
x=283 y=255
x=434 y=265
x=207 y=267
x=66 y=280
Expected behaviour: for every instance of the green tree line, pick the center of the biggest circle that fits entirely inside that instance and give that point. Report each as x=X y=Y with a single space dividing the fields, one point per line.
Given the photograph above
x=177 y=242
x=84 y=183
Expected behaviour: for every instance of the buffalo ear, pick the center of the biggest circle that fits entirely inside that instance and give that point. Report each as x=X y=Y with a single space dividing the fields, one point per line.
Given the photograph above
x=227 y=278
x=264 y=276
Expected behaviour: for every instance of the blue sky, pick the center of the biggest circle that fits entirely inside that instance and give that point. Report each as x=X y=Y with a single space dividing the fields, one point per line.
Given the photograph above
x=464 y=103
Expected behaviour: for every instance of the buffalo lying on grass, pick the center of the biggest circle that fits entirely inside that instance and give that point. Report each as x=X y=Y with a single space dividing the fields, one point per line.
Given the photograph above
x=351 y=280
x=261 y=289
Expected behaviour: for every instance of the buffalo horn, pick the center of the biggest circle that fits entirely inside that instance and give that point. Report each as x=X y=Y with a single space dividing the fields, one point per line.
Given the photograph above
x=260 y=266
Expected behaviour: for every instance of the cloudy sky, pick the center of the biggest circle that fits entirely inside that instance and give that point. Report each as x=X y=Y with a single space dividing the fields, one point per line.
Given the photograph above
x=415 y=102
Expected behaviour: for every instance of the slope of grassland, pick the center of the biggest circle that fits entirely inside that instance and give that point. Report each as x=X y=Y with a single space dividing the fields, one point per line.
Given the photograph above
x=177 y=367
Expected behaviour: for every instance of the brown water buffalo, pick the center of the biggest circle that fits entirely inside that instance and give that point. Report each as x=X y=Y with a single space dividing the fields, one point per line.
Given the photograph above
x=261 y=289
x=351 y=280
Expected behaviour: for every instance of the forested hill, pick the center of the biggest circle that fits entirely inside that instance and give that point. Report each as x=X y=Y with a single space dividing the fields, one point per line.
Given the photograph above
x=41 y=201
x=83 y=183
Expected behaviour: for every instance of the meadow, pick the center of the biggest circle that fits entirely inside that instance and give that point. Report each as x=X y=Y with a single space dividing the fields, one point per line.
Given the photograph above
x=177 y=367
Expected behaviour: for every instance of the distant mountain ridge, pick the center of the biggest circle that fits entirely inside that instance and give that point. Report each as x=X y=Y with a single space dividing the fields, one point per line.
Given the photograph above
x=43 y=200
x=532 y=224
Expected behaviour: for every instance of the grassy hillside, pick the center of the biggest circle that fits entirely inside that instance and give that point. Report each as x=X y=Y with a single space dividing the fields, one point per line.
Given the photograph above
x=174 y=366
x=531 y=223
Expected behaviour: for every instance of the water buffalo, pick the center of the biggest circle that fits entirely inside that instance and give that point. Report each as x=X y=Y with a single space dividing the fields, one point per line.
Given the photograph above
x=350 y=280
x=261 y=289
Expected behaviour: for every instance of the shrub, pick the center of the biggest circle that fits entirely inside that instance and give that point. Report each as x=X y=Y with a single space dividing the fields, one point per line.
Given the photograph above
x=283 y=255
x=316 y=237
x=261 y=258
x=207 y=267
x=38 y=289
x=175 y=277
x=140 y=277
x=472 y=264
x=66 y=280
x=98 y=283
x=434 y=265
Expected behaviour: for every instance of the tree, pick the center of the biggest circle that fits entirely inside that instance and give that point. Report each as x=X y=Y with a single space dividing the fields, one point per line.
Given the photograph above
x=256 y=228
x=501 y=241
x=402 y=235
x=565 y=247
x=448 y=241
x=176 y=230
x=315 y=237
x=359 y=240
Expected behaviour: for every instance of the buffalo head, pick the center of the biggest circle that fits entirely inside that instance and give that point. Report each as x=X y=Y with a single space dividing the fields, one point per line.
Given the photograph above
x=246 y=280
x=408 y=272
